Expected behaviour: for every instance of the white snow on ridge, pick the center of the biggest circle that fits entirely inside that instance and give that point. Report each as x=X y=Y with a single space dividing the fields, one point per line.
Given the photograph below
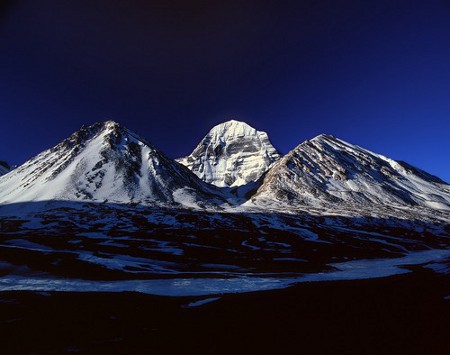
x=103 y=162
x=327 y=172
x=325 y=175
x=231 y=154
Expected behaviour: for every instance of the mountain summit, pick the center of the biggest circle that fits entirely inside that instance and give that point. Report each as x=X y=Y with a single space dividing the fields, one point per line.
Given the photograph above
x=327 y=171
x=104 y=162
x=232 y=154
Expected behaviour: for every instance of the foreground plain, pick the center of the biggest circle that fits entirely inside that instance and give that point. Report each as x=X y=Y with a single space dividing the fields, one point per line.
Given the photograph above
x=403 y=314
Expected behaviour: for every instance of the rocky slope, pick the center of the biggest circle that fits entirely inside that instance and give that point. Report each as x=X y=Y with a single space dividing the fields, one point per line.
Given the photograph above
x=231 y=154
x=328 y=172
x=105 y=162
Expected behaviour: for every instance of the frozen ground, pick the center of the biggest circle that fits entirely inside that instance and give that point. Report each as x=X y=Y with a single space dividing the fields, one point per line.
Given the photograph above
x=88 y=247
x=201 y=286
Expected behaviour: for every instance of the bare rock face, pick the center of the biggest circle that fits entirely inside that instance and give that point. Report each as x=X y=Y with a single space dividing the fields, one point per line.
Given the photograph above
x=326 y=171
x=232 y=154
x=104 y=162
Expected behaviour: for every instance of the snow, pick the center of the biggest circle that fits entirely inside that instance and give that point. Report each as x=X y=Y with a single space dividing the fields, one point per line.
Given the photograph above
x=329 y=173
x=103 y=162
x=26 y=244
x=374 y=268
x=200 y=286
x=325 y=175
x=201 y=302
x=162 y=287
x=117 y=171
x=164 y=247
x=437 y=205
x=232 y=154
x=440 y=268
x=185 y=197
x=123 y=262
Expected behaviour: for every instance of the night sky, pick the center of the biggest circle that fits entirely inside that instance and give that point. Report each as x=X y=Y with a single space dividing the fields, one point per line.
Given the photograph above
x=375 y=73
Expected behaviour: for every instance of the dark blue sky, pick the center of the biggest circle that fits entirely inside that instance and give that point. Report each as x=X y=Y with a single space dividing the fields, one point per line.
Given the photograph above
x=375 y=73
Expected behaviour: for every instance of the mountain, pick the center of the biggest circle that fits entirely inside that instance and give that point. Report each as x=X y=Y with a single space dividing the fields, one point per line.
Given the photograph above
x=326 y=206
x=326 y=171
x=231 y=154
x=4 y=167
x=105 y=162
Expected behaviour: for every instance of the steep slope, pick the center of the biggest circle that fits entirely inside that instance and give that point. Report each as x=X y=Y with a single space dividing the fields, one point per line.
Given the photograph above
x=104 y=162
x=4 y=167
x=231 y=154
x=326 y=171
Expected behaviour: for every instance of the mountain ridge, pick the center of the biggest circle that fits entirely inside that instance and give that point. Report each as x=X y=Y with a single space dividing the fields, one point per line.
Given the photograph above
x=102 y=162
x=107 y=162
x=326 y=170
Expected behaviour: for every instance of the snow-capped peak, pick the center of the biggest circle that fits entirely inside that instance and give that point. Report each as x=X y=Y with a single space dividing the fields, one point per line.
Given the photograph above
x=327 y=171
x=104 y=162
x=231 y=129
x=232 y=154
x=323 y=136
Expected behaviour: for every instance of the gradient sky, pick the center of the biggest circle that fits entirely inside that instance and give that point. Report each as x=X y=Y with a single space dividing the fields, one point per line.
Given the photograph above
x=374 y=73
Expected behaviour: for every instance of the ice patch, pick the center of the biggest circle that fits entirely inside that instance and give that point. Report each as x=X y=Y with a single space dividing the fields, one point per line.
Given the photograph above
x=26 y=244
x=165 y=287
x=367 y=269
x=200 y=286
x=122 y=262
x=201 y=302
